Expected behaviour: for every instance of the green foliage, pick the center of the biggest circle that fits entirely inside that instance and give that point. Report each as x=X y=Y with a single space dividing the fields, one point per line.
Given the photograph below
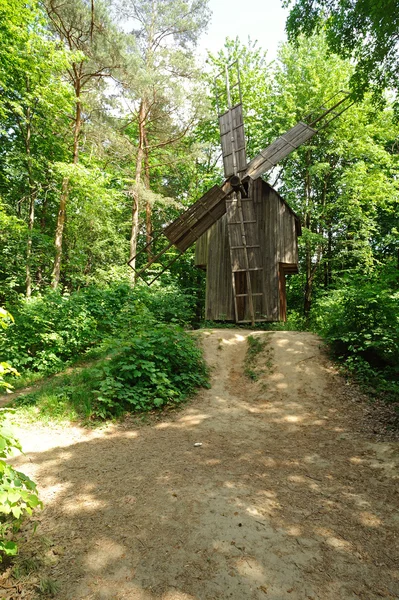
x=5 y=368
x=148 y=369
x=13 y=237
x=256 y=345
x=50 y=330
x=18 y=496
x=168 y=304
x=367 y=31
x=54 y=328
x=152 y=369
x=360 y=320
x=17 y=492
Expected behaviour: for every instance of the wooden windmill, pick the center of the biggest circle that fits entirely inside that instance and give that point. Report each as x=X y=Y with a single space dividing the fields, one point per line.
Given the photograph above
x=246 y=233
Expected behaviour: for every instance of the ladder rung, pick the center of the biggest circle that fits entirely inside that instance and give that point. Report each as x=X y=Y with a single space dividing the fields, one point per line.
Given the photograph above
x=235 y=200
x=244 y=295
x=250 y=269
x=239 y=222
x=240 y=247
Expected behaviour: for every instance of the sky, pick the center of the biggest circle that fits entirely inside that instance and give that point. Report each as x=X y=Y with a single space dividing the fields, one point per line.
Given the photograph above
x=262 y=20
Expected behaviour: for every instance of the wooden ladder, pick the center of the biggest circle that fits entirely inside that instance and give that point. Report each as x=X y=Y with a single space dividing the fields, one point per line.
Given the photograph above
x=239 y=245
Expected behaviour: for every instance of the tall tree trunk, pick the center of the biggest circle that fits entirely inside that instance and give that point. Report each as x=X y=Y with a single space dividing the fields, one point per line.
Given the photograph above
x=31 y=221
x=59 y=232
x=31 y=216
x=136 y=187
x=327 y=264
x=148 y=207
x=327 y=256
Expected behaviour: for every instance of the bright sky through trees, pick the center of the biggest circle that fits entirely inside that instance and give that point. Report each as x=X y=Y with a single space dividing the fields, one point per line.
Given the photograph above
x=262 y=20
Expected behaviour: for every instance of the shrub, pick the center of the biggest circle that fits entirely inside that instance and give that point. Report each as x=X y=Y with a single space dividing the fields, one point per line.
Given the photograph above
x=18 y=495
x=5 y=367
x=155 y=367
x=168 y=304
x=54 y=328
x=360 y=320
x=17 y=492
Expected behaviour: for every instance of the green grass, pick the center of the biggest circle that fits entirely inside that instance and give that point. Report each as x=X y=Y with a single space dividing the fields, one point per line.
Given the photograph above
x=33 y=378
x=256 y=346
x=61 y=398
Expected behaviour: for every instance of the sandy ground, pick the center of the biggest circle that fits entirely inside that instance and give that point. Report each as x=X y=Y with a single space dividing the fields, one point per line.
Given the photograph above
x=287 y=498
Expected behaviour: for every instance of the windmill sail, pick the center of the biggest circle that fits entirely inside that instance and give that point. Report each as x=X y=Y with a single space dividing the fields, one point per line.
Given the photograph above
x=298 y=135
x=232 y=139
x=233 y=200
x=279 y=149
x=197 y=219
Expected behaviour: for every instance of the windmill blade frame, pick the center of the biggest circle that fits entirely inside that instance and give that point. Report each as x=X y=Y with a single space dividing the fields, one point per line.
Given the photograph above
x=302 y=132
x=187 y=228
x=281 y=147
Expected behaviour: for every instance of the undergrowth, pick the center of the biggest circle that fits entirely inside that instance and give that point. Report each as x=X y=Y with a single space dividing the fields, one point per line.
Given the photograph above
x=52 y=330
x=151 y=369
x=360 y=322
x=256 y=345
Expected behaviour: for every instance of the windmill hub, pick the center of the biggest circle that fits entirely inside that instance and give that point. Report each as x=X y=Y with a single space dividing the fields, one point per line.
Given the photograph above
x=235 y=182
x=238 y=185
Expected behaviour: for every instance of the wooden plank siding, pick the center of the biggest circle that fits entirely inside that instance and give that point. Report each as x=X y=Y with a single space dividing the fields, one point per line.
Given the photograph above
x=201 y=250
x=276 y=230
x=219 y=290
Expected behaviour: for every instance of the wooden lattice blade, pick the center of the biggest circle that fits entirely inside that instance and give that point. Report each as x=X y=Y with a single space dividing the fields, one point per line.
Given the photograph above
x=232 y=138
x=197 y=219
x=279 y=149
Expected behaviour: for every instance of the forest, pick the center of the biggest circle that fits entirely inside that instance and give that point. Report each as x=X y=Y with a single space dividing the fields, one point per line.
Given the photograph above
x=108 y=131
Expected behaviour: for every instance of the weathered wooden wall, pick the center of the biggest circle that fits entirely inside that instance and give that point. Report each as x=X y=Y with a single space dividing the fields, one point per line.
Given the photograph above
x=201 y=251
x=219 y=292
x=277 y=230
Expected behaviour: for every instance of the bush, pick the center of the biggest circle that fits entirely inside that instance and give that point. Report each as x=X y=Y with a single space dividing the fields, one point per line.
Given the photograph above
x=360 y=321
x=18 y=495
x=54 y=328
x=5 y=367
x=17 y=492
x=168 y=304
x=155 y=367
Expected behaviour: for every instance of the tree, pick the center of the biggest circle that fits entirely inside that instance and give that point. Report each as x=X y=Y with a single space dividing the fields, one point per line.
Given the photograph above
x=88 y=33
x=343 y=183
x=165 y=33
x=33 y=106
x=366 y=30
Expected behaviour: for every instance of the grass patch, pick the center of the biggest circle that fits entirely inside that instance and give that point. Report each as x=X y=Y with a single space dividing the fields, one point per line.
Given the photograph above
x=154 y=369
x=256 y=346
x=63 y=398
x=35 y=378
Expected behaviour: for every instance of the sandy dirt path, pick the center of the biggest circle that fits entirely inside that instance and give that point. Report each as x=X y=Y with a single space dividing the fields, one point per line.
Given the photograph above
x=285 y=499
